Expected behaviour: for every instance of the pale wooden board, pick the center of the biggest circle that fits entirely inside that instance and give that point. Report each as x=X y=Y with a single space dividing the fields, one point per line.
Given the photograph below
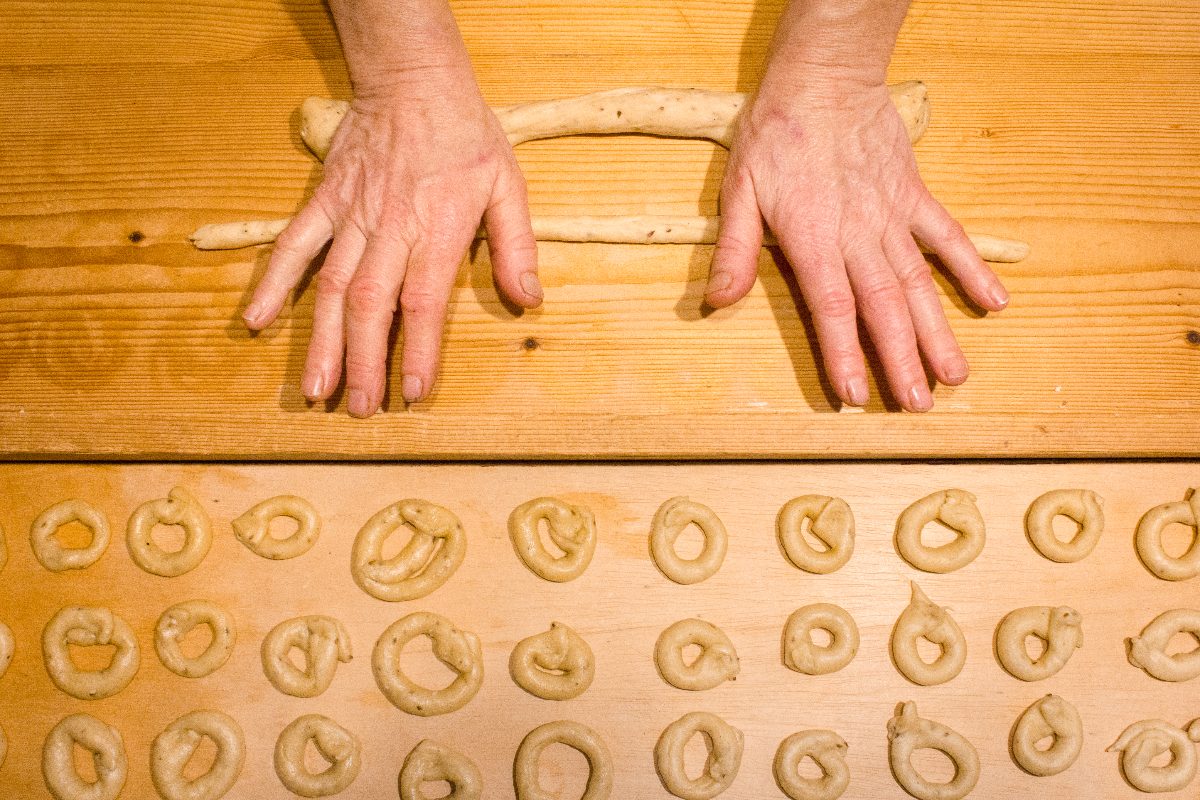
x=619 y=605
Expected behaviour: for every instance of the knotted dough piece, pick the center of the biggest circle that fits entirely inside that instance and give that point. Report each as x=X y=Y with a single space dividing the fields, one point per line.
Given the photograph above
x=1080 y=505
x=672 y=518
x=253 y=528
x=435 y=550
x=177 y=622
x=1051 y=717
x=324 y=642
x=827 y=750
x=1149 y=651
x=51 y=553
x=1142 y=742
x=1148 y=539
x=430 y=762
x=175 y=746
x=925 y=619
x=335 y=744
x=554 y=665
x=1061 y=628
x=8 y=647
x=831 y=521
x=724 y=743
x=108 y=757
x=908 y=732
x=177 y=508
x=460 y=651
x=574 y=735
x=717 y=662
x=955 y=509
x=802 y=654
x=86 y=627
x=571 y=528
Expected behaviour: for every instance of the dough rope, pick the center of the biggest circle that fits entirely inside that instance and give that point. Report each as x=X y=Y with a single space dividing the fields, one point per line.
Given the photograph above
x=802 y=654
x=324 y=642
x=8 y=647
x=1050 y=716
x=554 y=665
x=717 y=662
x=460 y=651
x=430 y=761
x=335 y=744
x=827 y=750
x=572 y=529
x=253 y=529
x=1079 y=505
x=672 y=518
x=86 y=627
x=108 y=755
x=177 y=622
x=1061 y=628
x=178 y=508
x=955 y=509
x=831 y=522
x=50 y=552
x=1142 y=742
x=1148 y=539
x=435 y=550
x=908 y=732
x=171 y=750
x=574 y=735
x=1149 y=651
x=925 y=619
x=724 y=743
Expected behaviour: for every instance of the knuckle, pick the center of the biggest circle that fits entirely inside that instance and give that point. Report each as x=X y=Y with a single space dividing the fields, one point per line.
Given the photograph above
x=879 y=292
x=366 y=295
x=914 y=273
x=420 y=303
x=331 y=283
x=833 y=304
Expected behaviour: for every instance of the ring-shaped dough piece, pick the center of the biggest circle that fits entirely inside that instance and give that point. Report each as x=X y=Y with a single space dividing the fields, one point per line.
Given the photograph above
x=907 y=733
x=1148 y=539
x=435 y=550
x=724 y=743
x=460 y=651
x=716 y=663
x=8 y=647
x=574 y=735
x=831 y=522
x=1060 y=627
x=1081 y=506
x=672 y=518
x=335 y=744
x=1143 y=742
x=324 y=642
x=925 y=619
x=174 y=747
x=955 y=509
x=177 y=508
x=50 y=552
x=1149 y=651
x=253 y=528
x=108 y=756
x=554 y=665
x=1051 y=717
x=87 y=627
x=572 y=529
x=802 y=654
x=827 y=750
x=177 y=622
x=430 y=761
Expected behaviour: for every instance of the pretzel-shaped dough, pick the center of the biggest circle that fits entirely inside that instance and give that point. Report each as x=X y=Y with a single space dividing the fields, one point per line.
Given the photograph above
x=670 y=521
x=51 y=553
x=323 y=640
x=174 y=747
x=421 y=566
x=1148 y=539
x=108 y=755
x=955 y=509
x=554 y=665
x=717 y=662
x=1061 y=628
x=335 y=744
x=253 y=528
x=177 y=508
x=1050 y=716
x=924 y=618
x=802 y=654
x=84 y=626
x=1144 y=741
x=908 y=732
x=430 y=761
x=177 y=622
x=827 y=750
x=832 y=523
x=724 y=743
x=1148 y=651
x=571 y=528
x=574 y=735
x=1080 y=505
x=8 y=647
x=459 y=650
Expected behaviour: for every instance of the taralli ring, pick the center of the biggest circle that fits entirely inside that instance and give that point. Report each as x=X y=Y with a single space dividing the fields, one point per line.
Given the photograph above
x=430 y=762
x=435 y=550
x=670 y=521
x=1148 y=539
x=577 y=737
x=907 y=732
x=554 y=665
x=8 y=647
x=178 y=508
x=1080 y=505
x=1050 y=717
x=830 y=521
x=86 y=627
x=925 y=619
x=50 y=552
x=955 y=509
x=1143 y=742
x=107 y=751
x=460 y=651
x=802 y=654
x=175 y=746
x=324 y=642
x=572 y=529
x=1149 y=651
x=716 y=663
x=724 y=743
x=1061 y=629
x=827 y=750
x=335 y=744
x=177 y=622
x=253 y=528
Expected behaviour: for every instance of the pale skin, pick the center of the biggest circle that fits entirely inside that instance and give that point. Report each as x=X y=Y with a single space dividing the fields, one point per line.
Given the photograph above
x=820 y=155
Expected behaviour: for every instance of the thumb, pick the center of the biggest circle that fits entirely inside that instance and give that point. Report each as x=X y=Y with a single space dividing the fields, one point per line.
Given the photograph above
x=511 y=245
x=739 y=239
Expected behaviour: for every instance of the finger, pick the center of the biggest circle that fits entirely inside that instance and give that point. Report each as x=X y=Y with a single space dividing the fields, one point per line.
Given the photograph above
x=739 y=240
x=323 y=365
x=934 y=337
x=294 y=251
x=370 y=307
x=432 y=269
x=511 y=245
x=939 y=231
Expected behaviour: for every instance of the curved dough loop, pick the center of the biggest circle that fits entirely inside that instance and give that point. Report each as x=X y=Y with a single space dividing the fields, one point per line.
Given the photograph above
x=832 y=523
x=1148 y=651
x=1148 y=539
x=435 y=550
x=724 y=743
x=572 y=529
x=908 y=732
x=178 y=508
x=174 y=747
x=430 y=761
x=1142 y=742
x=8 y=647
x=1051 y=717
x=669 y=522
x=1061 y=628
x=802 y=654
x=253 y=528
x=177 y=622
x=50 y=552
x=86 y=627
x=108 y=755
x=717 y=662
x=335 y=744
x=554 y=665
x=1080 y=505
x=574 y=735
x=827 y=750
x=955 y=509
x=925 y=619
x=459 y=650
x=324 y=642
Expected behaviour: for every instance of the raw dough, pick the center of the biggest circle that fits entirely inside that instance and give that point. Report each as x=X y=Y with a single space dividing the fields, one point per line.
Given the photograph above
x=84 y=626
x=672 y=518
x=827 y=750
x=802 y=654
x=173 y=748
x=955 y=509
x=324 y=642
x=1061 y=629
x=8 y=647
x=108 y=756
x=1148 y=539
x=51 y=553
x=832 y=523
x=178 y=508
x=717 y=662
x=177 y=622
x=574 y=735
x=555 y=665
x=571 y=528
x=908 y=732
x=724 y=743
x=924 y=618
x=1054 y=717
x=460 y=651
x=253 y=528
x=430 y=761
x=1144 y=741
x=335 y=744
x=1080 y=505
x=436 y=549
x=1148 y=651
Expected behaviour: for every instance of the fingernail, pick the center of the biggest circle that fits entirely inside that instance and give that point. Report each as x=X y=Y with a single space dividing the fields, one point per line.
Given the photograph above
x=410 y=388
x=955 y=372
x=360 y=404
x=313 y=386
x=856 y=391
x=919 y=398
x=253 y=313
x=719 y=282
x=532 y=287
x=999 y=297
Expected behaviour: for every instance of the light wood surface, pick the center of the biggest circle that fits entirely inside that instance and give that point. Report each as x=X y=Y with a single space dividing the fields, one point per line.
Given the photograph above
x=619 y=606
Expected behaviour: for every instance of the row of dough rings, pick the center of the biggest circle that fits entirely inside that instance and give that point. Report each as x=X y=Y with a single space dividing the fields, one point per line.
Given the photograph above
x=724 y=743
x=177 y=622
x=435 y=550
x=669 y=522
x=572 y=529
x=1052 y=717
x=1143 y=742
x=460 y=651
x=178 y=508
x=87 y=626
x=1149 y=650
x=8 y=647
x=574 y=735
x=324 y=642
x=50 y=552
x=554 y=665
x=827 y=750
x=802 y=654
x=1079 y=505
x=830 y=521
x=955 y=509
x=1149 y=544
x=253 y=528
x=335 y=744
x=175 y=746
x=1060 y=629
x=925 y=619
x=108 y=754
x=430 y=762
x=716 y=663
x=907 y=733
